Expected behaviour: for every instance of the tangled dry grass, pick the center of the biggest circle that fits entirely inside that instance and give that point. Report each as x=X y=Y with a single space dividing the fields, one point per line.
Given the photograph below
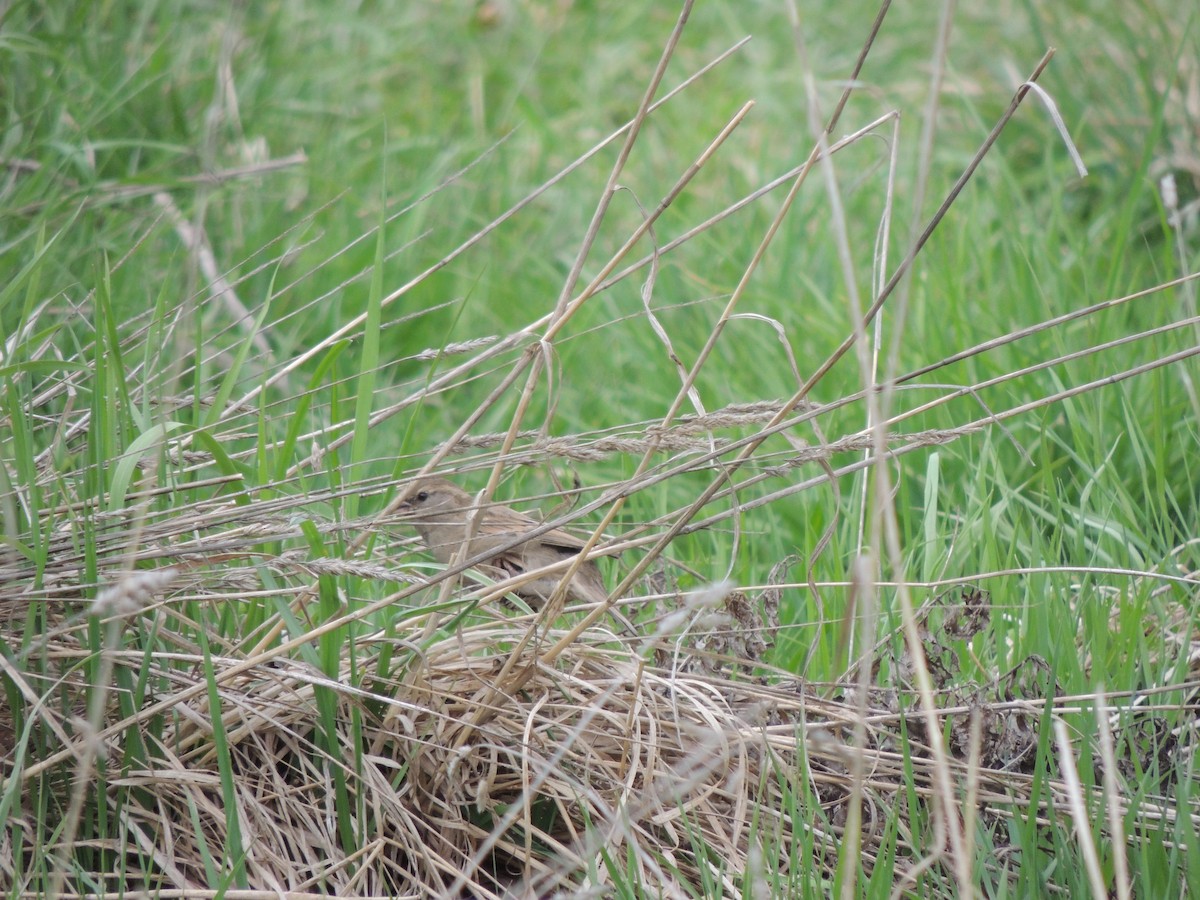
x=518 y=757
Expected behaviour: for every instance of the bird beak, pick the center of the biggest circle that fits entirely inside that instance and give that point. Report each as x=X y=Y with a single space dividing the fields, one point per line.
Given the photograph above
x=405 y=507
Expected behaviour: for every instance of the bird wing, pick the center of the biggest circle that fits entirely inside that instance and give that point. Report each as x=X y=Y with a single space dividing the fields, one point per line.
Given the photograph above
x=563 y=541
x=497 y=530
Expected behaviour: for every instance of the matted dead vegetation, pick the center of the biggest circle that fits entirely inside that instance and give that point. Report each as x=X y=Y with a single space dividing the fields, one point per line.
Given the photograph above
x=264 y=687
x=486 y=764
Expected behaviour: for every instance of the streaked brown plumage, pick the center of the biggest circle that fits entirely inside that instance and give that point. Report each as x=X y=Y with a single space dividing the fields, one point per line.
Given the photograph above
x=441 y=511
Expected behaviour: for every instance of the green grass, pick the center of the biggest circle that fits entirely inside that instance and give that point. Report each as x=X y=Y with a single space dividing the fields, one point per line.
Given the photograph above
x=142 y=425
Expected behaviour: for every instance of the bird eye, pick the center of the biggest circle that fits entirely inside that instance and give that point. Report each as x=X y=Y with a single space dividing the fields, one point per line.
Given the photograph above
x=422 y=496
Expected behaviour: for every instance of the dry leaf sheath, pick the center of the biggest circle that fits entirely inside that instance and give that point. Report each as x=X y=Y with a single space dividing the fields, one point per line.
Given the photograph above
x=442 y=511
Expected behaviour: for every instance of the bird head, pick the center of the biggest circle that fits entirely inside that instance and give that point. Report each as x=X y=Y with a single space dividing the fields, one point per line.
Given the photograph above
x=432 y=496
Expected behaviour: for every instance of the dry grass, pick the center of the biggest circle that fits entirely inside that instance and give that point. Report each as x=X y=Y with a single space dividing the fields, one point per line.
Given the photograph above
x=478 y=767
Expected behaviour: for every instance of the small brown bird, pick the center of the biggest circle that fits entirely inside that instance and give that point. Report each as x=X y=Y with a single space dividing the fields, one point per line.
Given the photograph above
x=441 y=512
